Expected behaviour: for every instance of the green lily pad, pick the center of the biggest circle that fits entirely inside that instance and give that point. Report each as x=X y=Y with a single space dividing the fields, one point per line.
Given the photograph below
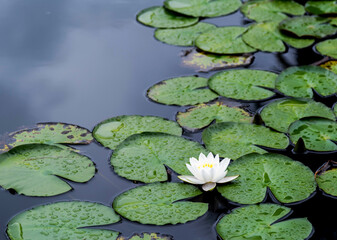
x=202 y=115
x=289 y=181
x=308 y=26
x=263 y=222
x=335 y=109
x=183 y=36
x=321 y=7
x=330 y=65
x=34 y=169
x=266 y=36
x=158 y=204
x=205 y=62
x=48 y=133
x=113 y=131
x=328 y=48
x=224 y=40
x=233 y=140
x=327 y=181
x=281 y=113
x=317 y=134
x=203 y=8
x=147 y=236
x=266 y=10
x=142 y=157
x=63 y=220
x=301 y=81
x=181 y=91
x=333 y=21
x=243 y=84
x=160 y=17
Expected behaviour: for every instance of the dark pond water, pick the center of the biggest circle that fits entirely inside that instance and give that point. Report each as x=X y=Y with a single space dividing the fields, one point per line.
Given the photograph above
x=82 y=61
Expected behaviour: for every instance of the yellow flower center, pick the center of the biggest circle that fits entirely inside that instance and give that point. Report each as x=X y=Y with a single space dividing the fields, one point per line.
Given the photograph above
x=206 y=165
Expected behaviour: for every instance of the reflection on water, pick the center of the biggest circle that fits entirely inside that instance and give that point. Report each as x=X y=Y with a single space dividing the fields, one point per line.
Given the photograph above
x=82 y=61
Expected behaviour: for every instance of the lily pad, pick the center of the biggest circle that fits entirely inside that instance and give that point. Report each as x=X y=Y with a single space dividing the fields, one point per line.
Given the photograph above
x=266 y=36
x=142 y=157
x=330 y=65
x=301 y=81
x=308 y=26
x=205 y=62
x=159 y=204
x=181 y=91
x=183 y=36
x=147 y=236
x=203 y=115
x=288 y=180
x=328 y=48
x=233 y=140
x=263 y=222
x=113 y=131
x=203 y=8
x=224 y=40
x=327 y=181
x=63 y=220
x=321 y=7
x=318 y=134
x=243 y=84
x=48 y=133
x=281 y=113
x=266 y=10
x=34 y=169
x=160 y=17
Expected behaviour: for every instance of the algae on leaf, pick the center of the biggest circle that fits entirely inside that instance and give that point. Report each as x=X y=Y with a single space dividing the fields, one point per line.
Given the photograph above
x=328 y=48
x=202 y=115
x=330 y=65
x=257 y=222
x=244 y=84
x=147 y=236
x=160 y=17
x=181 y=91
x=113 y=131
x=160 y=204
x=233 y=140
x=327 y=181
x=142 y=157
x=288 y=180
x=63 y=220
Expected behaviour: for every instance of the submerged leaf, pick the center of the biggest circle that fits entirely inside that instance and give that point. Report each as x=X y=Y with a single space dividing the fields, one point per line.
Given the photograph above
x=318 y=134
x=234 y=140
x=301 y=81
x=142 y=157
x=202 y=115
x=34 y=169
x=327 y=181
x=203 y=8
x=244 y=84
x=281 y=113
x=321 y=7
x=205 y=62
x=147 y=236
x=160 y=17
x=330 y=65
x=113 y=131
x=328 y=48
x=181 y=91
x=63 y=220
x=224 y=40
x=158 y=204
x=288 y=180
x=262 y=221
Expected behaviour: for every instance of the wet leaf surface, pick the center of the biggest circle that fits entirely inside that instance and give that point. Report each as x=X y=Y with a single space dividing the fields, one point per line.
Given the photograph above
x=181 y=91
x=63 y=220
x=142 y=157
x=263 y=222
x=327 y=181
x=302 y=81
x=147 y=236
x=202 y=115
x=281 y=113
x=158 y=204
x=330 y=65
x=233 y=140
x=289 y=181
x=113 y=131
x=243 y=84
x=328 y=48
x=321 y=7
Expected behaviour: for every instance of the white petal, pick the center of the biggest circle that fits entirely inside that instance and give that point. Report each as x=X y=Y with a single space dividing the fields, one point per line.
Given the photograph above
x=227 y=179
x=208 y=186
x=210 y=156
x=217 y=159
x=206 y=175
x=219 y=175
x=194 y=161
x=202 y=157
x=190 y=179
x=224 y=163
x=196 y=173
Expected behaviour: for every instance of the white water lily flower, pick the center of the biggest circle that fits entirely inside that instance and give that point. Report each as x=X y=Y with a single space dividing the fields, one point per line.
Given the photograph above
x=208 y=171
